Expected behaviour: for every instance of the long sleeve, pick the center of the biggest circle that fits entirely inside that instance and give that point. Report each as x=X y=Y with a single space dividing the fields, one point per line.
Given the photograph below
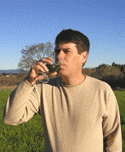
x=112 y=125
x=22 y=104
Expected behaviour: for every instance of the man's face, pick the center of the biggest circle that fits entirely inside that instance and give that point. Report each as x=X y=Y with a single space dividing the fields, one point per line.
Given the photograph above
x=72 y=60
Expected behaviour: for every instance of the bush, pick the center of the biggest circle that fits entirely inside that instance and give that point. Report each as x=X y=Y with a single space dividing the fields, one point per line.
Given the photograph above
x=110 y=74
x=4 y=74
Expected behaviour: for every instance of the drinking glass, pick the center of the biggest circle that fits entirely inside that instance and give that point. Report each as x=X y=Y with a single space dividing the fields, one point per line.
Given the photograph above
x=52 y=68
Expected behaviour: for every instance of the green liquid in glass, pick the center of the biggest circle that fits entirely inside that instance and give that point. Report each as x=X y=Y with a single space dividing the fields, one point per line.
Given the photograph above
x=53 y=67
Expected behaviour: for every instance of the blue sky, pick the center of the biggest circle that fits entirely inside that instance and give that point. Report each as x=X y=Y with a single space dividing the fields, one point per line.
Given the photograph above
x=28 y=22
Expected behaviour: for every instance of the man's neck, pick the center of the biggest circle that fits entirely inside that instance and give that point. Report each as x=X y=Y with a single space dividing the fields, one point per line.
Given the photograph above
x=72 y=81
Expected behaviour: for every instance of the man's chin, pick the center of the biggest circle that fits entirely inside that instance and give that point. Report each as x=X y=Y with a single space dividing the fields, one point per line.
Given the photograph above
x=61 y=72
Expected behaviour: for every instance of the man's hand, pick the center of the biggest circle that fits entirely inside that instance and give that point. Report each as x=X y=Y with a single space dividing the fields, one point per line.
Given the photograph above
x=34 y=74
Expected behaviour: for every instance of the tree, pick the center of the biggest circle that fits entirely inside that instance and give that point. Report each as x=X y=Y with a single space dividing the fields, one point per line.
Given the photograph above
x=4 y=74
x=34 y=53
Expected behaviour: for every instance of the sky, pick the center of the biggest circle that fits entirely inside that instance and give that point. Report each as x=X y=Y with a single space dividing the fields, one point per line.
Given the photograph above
x=27 y=22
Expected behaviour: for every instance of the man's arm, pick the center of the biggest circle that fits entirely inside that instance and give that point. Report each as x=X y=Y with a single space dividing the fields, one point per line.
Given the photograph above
x=24 y=101
x=22 y=104
x=112 y=125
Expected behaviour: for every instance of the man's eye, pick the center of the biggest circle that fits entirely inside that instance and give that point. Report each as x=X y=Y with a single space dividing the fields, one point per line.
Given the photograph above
x=66 y=51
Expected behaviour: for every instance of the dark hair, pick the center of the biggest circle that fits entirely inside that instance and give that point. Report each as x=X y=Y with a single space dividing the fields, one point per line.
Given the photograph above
x=69 y=35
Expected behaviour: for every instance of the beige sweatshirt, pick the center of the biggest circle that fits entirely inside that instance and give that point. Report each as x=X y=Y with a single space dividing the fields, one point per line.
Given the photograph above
x=80 y=118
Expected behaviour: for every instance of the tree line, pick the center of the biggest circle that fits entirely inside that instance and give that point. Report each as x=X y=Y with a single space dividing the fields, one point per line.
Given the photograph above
x=113 y=74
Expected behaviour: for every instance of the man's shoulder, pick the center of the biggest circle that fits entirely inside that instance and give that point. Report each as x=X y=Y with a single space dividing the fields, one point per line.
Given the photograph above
x=97 y=83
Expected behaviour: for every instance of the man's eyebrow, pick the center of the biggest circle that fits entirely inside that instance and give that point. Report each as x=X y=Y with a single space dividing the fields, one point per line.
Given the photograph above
x=67 y=49
x=57 y=49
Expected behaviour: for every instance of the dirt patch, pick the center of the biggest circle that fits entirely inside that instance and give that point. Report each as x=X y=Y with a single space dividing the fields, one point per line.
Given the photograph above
x=11 y=80
x=119 y=89
x=8 y=87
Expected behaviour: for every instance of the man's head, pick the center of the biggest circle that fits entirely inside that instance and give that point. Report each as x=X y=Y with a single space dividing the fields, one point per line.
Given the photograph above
x=73 y=36
x=72 y=47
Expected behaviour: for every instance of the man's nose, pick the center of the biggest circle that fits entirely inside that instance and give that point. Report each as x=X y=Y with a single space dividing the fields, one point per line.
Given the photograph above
x=61 y=55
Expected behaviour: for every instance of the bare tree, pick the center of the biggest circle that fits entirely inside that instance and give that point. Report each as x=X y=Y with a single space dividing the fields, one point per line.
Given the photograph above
x=34 y=53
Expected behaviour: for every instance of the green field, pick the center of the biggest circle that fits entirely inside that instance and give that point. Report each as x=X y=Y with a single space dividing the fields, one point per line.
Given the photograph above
x=28 y=137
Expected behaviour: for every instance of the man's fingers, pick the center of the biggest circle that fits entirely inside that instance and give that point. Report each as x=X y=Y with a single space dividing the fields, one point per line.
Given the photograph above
x=41 y=64
x=39 y=69
x=52 y=74
x=46 y=60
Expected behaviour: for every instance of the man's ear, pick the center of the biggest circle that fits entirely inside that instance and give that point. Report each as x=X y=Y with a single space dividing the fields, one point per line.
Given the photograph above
x=84 y=56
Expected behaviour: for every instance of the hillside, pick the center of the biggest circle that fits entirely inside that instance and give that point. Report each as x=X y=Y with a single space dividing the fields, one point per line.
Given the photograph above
x=11 y=71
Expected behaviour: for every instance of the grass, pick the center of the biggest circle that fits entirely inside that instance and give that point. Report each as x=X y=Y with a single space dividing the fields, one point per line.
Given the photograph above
x=120 y=95
x=28 y=137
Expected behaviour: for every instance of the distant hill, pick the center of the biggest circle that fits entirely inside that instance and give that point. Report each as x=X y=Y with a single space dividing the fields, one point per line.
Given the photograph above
x=11 y=71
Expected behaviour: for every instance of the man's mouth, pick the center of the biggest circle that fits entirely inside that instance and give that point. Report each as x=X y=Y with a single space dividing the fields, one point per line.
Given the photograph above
x=62 y=65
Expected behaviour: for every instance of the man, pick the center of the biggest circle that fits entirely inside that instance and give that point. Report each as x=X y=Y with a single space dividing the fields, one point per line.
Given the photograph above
x=79 y=113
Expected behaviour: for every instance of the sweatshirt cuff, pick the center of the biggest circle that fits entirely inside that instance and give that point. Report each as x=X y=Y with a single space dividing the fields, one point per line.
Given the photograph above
x=27 y=82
